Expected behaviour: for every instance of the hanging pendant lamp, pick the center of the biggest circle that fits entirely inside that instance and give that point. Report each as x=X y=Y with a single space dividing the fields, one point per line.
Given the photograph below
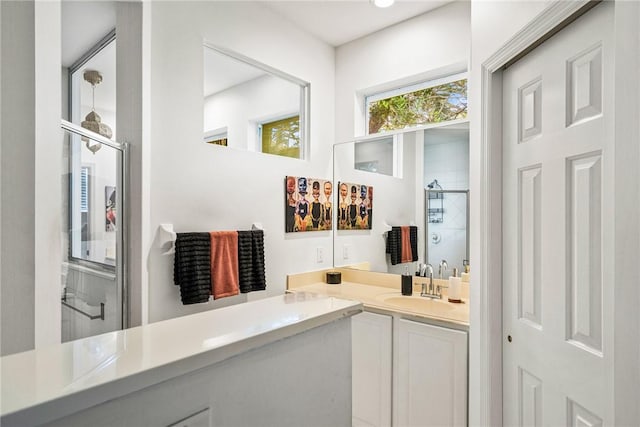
x=93 y=121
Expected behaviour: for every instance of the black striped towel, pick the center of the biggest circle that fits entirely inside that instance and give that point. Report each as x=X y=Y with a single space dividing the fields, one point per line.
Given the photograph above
x=251 y=261
x=192 y=267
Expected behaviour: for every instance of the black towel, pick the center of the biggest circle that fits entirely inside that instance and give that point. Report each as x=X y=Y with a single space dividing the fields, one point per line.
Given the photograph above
x=192 y=267
x=394 y=243
x=413 y=236
x=251 y=261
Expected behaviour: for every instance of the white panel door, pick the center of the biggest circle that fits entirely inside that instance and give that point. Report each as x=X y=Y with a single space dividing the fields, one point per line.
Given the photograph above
x=430 y=376
x=557 y=204
x=371 y=371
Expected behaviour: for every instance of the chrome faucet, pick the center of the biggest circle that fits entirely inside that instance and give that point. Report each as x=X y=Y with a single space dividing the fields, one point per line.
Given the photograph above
x=442 y=268
x=428 y=292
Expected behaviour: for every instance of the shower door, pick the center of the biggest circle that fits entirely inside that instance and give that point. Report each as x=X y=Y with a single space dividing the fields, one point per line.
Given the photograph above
x=447 y=229
x=94 y=285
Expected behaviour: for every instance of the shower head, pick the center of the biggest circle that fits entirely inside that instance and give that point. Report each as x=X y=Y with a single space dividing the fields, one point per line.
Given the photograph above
x=434 y=184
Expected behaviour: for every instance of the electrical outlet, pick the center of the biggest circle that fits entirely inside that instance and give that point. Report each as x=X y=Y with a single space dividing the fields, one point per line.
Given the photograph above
x=345 y=251
x=319 y=255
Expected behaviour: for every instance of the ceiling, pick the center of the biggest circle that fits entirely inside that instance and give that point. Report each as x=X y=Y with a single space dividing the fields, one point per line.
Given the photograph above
x=337 y=22
x=333 y=21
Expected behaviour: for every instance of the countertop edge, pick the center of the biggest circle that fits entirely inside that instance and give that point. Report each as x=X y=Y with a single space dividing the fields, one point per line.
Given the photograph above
x=67 y=404
x=394 y=311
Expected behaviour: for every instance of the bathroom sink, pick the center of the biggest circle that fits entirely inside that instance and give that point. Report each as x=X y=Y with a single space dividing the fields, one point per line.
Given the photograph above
x=417 y=303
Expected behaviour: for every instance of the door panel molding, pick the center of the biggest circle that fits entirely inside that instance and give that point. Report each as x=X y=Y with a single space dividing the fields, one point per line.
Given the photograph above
x=529 y=245
x=584 y=252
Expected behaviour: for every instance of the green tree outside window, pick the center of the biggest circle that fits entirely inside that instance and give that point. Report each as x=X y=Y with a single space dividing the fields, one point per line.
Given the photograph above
x=431 y=105
x=282 y=137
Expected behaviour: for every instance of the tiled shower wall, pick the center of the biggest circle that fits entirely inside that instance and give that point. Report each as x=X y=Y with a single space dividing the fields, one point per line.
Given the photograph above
x=446 y=158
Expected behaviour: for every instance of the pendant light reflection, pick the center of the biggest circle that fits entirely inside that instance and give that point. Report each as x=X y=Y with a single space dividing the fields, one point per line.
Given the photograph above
x=382 y=3
x=93 y=121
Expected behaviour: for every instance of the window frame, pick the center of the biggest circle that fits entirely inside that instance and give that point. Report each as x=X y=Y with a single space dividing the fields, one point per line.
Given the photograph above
x=413 y=87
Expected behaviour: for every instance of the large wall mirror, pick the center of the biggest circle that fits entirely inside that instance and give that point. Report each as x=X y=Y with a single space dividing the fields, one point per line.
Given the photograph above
x=252 y=106
x=416 y=178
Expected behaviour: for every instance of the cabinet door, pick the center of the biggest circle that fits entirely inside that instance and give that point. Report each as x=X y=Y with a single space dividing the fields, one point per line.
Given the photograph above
x=430 y=370
x=371 y=369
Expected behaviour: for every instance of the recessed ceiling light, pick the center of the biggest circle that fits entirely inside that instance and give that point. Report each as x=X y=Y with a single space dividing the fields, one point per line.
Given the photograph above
x=382 y=3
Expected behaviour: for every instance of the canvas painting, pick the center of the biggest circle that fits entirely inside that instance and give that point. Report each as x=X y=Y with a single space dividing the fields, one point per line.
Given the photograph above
x=355 y=206
x=308 y=204
x=110 y=208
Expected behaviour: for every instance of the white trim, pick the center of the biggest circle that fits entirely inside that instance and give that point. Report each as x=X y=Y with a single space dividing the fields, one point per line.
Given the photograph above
x=87 y=270
x=414 y=87
x=216 y=134
x=375 y=136
x=489 y=386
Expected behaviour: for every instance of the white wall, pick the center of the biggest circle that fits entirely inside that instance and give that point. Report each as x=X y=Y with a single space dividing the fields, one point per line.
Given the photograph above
x=201 y=187
x=492 y=24
x=18 y=180
x=425 y=47
x=31 y=184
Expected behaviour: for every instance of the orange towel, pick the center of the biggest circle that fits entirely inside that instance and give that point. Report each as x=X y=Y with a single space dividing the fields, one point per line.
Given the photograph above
x=224 y=264
x=405 y=239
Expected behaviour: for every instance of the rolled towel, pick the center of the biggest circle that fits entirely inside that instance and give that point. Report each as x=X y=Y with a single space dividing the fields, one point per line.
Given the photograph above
x=224 y=263
x=192 y=267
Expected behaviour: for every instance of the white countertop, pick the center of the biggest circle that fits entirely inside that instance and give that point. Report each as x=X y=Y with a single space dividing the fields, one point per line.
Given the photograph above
x=111 y=365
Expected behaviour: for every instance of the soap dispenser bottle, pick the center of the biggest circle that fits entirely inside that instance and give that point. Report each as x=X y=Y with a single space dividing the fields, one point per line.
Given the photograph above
x=454 y=287
x=407 y=282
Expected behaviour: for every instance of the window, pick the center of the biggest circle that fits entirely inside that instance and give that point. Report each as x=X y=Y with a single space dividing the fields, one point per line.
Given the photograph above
x=262 y=109
x=434 y=101
x=282 y=137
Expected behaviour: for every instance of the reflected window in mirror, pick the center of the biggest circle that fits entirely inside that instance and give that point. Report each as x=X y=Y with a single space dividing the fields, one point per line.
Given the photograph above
x=216 y=137
x=427 y=102
x=260 y=108
x=377 y=155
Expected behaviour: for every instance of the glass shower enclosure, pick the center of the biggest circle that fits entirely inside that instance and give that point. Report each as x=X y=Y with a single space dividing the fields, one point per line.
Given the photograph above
x=447 y=228
x=94 y=282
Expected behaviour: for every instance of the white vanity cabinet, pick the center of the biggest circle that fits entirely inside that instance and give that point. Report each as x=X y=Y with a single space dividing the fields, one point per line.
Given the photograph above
x=430 y=375
x=424 y=365
x=371 y=369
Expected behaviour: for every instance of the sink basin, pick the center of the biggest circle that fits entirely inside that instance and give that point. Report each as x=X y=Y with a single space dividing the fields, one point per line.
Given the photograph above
x=417 y=303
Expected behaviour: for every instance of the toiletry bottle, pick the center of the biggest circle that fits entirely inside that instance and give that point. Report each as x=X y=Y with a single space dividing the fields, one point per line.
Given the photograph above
x=407 y=282
x=465 y=272
x=454 y=287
